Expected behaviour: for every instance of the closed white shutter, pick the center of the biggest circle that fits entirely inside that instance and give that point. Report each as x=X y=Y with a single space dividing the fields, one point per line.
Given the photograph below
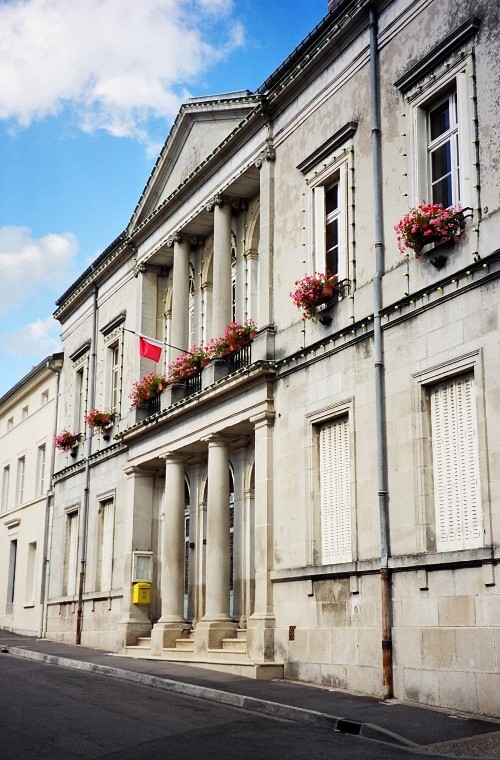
x=456 y=465
x=72 y=556
x=335 y=492
x=107 y=517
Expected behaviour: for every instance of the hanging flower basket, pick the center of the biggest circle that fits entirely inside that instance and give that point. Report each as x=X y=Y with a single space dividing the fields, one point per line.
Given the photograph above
x=429 y=223
x=99 y=420
x=65 y=441
x=146 y=388
x=312 y=291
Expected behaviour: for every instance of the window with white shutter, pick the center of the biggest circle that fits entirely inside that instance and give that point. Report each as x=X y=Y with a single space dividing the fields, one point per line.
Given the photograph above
x=71 y=554
x=104 y=570
x=455 y=459
x=335 y=492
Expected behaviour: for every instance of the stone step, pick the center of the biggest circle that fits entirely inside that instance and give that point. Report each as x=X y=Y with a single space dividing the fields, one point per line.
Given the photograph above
x=144 y=641
x=234 y=645
x=185 y=644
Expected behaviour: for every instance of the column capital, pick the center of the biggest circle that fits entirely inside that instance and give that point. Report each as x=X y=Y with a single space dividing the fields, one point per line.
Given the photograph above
x=173 y=456
x=217 y=439
x=266 y=417
x=268 y=154
x=139 y=472
x=217 y=200
x=175 y=237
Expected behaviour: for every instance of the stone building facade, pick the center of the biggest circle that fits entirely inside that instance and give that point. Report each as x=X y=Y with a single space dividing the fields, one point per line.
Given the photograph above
x=27 y=426
x=324 y=503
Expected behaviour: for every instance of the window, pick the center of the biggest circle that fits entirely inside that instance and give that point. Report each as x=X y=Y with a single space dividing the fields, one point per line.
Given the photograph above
x=5 y=488
x=335 y=491
x=80 y=405
x=24 y=412
x=455 y=460
x=71 y=554
x=330 y=224
x=105 y=530
x=114 y=376
x=30 y=575
x=10 y=423
x=40 y=469
x=45 y=398
x=11 y=579
x=21 y=469
x=442 y=140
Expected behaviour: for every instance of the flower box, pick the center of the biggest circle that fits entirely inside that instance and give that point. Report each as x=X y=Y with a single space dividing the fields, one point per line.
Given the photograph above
x=430 y=223
x=312 y=291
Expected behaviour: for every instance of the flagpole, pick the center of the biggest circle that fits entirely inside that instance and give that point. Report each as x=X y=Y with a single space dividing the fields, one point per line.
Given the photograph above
x=169 y=345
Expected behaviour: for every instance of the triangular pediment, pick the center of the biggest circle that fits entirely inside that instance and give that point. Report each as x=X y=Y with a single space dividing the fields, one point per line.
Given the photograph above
x=200 y=127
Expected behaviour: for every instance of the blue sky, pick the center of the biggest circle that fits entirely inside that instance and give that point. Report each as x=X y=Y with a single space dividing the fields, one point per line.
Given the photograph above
x=88 y=92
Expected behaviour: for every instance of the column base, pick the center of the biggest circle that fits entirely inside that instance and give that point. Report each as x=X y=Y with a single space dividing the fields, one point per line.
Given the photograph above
x=134 y=629
x=210 y=633
x=260 y=638
x=165 y=634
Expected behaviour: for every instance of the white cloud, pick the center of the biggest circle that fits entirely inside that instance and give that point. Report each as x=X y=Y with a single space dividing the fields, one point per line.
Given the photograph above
x=116 y=62
x=30 y=266
x=37 y=339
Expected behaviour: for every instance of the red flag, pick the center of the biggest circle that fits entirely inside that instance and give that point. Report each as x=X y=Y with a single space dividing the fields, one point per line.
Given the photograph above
x=150 y=348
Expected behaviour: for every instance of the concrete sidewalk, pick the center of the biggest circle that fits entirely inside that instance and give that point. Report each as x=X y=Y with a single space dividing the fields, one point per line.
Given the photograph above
x=423 y=729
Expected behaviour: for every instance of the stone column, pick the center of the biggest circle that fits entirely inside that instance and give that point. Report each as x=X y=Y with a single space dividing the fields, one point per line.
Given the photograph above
x=171 y=624
x=216 y=623
x=135 y=620
x=179 y=333
x=260 y=638
x=221 y=312
x=265 y=162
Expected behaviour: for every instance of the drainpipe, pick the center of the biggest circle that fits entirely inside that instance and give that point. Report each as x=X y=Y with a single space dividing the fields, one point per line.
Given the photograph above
x=54 y=364
x=383 y=495
x=86 y=490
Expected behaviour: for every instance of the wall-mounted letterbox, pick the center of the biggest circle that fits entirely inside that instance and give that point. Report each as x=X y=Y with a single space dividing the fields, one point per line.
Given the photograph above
x=141 y=593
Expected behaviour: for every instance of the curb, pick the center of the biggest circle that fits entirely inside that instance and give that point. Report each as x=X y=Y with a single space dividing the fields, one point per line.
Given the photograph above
x=252 y=704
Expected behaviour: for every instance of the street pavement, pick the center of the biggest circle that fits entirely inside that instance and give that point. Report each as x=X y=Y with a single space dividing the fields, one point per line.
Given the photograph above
x=420 y=729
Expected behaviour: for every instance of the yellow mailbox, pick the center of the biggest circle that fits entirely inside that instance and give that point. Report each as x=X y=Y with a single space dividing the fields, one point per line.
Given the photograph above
x=141 y=593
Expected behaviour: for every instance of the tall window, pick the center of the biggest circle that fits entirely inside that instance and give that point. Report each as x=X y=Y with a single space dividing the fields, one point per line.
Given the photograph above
x=21 y=469
x=80 y=399
x=40 y=469
x=335 y=491
x=114 y=376
x=105 y=530
x=5 y=488
x=455 y=460
x=443 y=131
x=71 y=554
x=30 y=575
x=191 y=314
x=330 y=224
x=444 y=158
x=11 y=580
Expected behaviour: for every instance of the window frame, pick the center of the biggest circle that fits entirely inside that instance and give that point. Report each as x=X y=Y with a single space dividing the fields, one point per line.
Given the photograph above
x=20 y=479
x=71 y=551
x=467 y=364
x=343 y=410
x=336 y=174
x=105 y=543
x=41 y=468
x=456 y=80
x=453 y=406
x=5 y=487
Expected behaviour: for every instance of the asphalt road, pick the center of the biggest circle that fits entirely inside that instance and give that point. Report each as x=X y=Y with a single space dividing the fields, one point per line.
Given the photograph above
x=61 y=714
